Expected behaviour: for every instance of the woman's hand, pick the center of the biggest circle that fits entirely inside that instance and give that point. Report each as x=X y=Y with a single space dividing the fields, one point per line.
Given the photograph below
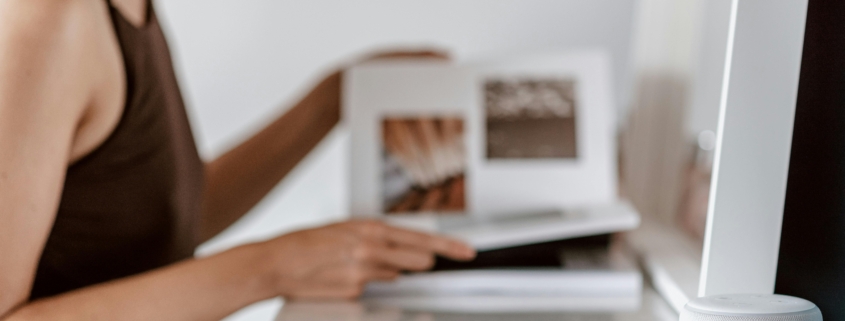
x=328 y=90
x=338 y=260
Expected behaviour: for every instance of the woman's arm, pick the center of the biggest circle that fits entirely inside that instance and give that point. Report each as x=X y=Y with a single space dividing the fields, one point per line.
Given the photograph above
x=46 y=88
x=203 y=289
x=237 y=180
x=240 y=178
x=335 y=261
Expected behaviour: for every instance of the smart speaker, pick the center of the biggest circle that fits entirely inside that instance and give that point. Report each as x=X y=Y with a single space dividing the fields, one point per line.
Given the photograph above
x=750 y=307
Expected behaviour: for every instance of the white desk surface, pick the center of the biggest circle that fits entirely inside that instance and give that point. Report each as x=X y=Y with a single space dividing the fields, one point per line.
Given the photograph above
x=653 y=308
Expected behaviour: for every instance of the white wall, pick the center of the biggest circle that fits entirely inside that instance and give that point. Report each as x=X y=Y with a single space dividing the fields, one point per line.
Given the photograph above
x=656 y=144
x=686 y=38
x=241 y=62
x=678 y=58
x=707 y=78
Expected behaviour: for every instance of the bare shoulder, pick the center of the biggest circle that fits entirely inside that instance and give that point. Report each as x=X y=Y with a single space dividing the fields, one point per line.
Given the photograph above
x=42 y=44
x=61 y=56
x=28 y=25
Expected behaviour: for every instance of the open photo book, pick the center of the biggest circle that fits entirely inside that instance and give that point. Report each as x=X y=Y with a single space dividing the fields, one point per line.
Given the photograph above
x=517 y=135
x=498 y=152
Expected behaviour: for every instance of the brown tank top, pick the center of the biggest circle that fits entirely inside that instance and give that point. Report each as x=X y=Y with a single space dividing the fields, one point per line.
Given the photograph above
x=132 y=204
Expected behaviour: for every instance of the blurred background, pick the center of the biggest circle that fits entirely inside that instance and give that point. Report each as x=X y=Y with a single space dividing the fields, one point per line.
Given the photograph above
x=242 y=62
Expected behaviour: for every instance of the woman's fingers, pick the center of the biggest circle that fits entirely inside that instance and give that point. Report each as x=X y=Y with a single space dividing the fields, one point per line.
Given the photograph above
x=436 y=244
x=398 y=258
x=378 y=236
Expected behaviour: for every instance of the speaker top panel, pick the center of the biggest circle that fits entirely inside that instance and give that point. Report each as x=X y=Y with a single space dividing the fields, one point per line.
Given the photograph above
x=749 y=304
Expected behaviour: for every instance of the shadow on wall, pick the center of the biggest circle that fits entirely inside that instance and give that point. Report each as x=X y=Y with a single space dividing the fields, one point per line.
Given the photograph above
x=660 y=173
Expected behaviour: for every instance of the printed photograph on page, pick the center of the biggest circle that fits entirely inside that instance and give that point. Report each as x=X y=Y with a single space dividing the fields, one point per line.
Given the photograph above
x=530 y=118
x=423 y=165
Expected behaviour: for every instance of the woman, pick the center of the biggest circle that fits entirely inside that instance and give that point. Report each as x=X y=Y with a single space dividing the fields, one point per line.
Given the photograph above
x=103 y=197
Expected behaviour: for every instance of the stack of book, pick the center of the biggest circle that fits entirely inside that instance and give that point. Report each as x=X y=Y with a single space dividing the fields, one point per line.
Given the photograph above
x=548 y=261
